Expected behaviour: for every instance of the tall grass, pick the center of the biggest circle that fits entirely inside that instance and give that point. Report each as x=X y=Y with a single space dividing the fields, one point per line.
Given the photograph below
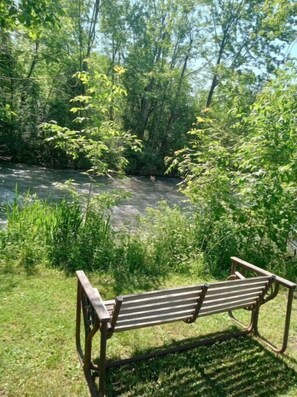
x=68 y=236
x=28 y=222
x=76 y=241
x=65 y=236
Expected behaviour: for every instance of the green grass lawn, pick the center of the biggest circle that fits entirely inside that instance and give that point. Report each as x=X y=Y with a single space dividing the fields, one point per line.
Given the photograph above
x=38 y=356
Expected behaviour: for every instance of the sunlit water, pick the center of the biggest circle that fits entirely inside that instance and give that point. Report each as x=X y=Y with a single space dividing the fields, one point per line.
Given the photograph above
x=47 y=183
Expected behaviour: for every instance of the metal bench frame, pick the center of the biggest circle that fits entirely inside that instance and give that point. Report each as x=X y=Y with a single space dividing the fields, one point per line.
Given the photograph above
x=107 y=318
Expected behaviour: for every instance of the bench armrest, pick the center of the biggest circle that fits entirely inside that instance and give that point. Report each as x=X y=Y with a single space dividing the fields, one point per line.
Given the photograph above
x=93 y=296
x=248 y=266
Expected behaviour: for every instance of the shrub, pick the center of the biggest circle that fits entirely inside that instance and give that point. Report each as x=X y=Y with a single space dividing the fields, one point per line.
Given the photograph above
x=244 y=183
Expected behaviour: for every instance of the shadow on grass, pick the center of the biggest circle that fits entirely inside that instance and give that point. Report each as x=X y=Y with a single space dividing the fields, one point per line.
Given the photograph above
x=125 y=282
x=236 y=368
x=9 y=279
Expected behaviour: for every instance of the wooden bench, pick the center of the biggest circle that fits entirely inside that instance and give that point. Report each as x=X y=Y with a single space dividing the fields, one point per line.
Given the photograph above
x=249 y=288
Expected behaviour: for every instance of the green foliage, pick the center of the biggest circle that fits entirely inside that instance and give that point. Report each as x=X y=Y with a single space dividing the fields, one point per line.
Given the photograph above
x=178 y=56
x=67 y=236
x=170 y=233
x=23 y=241
x=28 y=13
x=245 y=191
x=78 y=240
x=99 y=138
x=159 y=108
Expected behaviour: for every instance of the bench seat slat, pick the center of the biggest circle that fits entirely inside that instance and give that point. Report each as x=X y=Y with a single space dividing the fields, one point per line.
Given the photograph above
x=181 y=305
x=134 y=325
x=162 y=299
x=145 y=316
x=184 y=293
x=109 y=306
x=127 y=309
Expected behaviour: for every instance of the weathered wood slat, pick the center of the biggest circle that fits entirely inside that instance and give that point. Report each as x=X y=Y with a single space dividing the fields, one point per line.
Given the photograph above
x=213 y=300
x=139 y=319
x=227 y=306
x=231 y=283
x=146 y=317
x=242 y=283
x=131 y=307
x=224 y=293
x=242 y=287
x=148 y=324
x=109 y=306
x=184 y=290
x=165 y=301
x=223 y=310
x=158 y=308
x=163 y=294
x=110 y=309
x=162 y=298
x=156 y=312
x=166 y=305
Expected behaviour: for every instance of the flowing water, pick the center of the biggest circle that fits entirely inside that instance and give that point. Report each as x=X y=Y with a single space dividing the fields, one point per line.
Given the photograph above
x=143 y=192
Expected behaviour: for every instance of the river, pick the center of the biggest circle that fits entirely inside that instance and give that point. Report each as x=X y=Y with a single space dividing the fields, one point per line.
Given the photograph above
x=143 y=193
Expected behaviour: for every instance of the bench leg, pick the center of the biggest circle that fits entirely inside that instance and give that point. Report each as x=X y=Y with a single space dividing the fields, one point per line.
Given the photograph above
x=89 y=331
x=286 y=328
x=78 y=323
x=88 y=365
x=102 y=362
x=85 y=349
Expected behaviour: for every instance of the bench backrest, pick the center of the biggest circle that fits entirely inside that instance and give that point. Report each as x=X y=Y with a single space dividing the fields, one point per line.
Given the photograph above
x=235 y=294
x=186 y=303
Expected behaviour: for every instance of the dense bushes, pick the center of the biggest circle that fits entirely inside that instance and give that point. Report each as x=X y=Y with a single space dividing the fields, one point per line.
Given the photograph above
x=242 y=174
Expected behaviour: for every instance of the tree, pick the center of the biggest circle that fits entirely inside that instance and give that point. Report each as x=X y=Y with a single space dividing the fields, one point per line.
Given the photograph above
x=159 y=108
x=99 y=139
x=246 y=35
